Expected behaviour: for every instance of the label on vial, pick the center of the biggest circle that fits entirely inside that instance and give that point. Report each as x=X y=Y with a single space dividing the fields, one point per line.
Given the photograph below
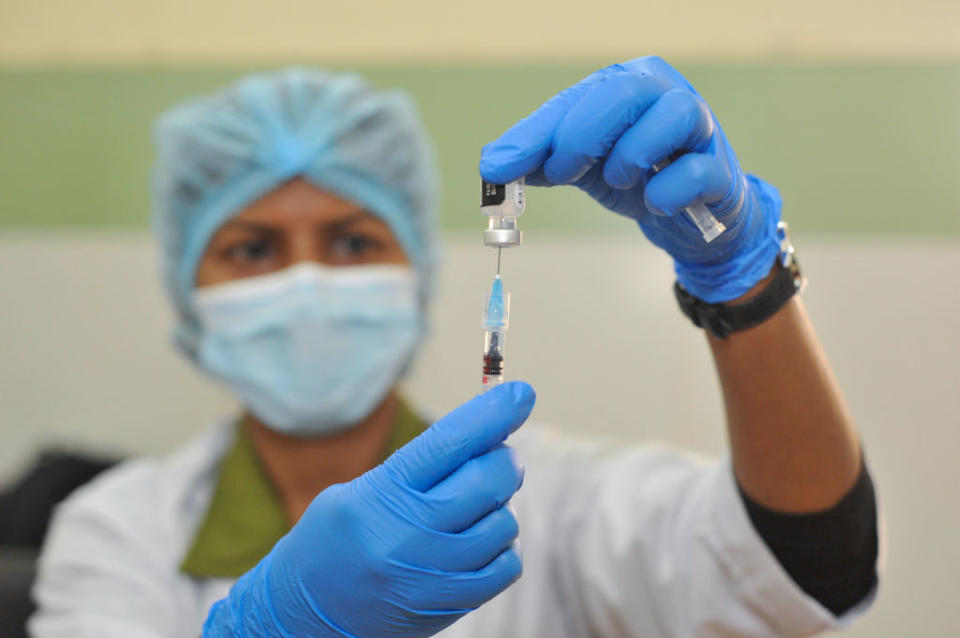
x=519 y=196
x=493 y=194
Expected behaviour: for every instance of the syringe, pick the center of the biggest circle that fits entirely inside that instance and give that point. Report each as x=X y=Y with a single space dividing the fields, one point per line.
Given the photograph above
x=502 y=204
x=494 y=321
x=710 y=227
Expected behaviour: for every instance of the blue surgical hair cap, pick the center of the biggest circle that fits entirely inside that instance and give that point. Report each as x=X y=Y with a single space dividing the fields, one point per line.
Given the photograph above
x=217 y=154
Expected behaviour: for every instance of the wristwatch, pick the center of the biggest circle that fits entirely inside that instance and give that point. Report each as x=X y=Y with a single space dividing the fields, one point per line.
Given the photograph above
x=721 y=320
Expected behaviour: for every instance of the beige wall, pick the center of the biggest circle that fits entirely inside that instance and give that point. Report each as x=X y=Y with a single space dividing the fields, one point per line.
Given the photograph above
x=134 y=31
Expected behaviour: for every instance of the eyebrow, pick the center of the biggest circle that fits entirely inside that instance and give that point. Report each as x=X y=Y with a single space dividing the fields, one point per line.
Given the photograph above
x=336 y=225
x=340 y=224
x=259 y=228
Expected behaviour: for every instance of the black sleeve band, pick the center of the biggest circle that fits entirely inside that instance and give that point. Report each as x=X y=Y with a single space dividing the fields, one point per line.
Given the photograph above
x=832 y=554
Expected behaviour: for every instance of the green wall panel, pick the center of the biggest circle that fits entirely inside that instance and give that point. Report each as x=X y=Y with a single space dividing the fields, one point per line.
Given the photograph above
x=851 y=146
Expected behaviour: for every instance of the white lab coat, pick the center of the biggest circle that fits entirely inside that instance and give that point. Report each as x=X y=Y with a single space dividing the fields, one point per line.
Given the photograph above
x=644 y=541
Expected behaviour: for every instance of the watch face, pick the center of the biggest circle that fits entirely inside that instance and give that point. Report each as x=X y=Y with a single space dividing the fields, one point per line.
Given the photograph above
x=788 y=255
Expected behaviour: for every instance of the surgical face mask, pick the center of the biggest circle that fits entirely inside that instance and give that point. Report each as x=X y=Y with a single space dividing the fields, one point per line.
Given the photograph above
x=310 y=349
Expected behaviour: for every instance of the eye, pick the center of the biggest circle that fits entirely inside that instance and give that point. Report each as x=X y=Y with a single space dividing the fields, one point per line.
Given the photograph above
x=354 y=245
x=251 y=251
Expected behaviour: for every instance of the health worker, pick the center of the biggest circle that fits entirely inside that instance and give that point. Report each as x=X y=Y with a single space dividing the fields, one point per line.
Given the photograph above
x=296 y=215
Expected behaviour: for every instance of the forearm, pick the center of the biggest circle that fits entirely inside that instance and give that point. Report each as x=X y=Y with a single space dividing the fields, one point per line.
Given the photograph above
x=794 y=445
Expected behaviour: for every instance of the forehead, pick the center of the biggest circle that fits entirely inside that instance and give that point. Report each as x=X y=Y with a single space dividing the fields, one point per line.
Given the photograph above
x=298 y=202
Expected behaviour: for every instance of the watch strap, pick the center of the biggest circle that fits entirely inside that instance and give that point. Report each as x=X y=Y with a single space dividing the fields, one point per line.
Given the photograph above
x=721 y=319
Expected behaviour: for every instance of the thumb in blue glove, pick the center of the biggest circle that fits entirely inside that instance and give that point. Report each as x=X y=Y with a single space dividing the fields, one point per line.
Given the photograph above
x=606 y=134
x=405 y=549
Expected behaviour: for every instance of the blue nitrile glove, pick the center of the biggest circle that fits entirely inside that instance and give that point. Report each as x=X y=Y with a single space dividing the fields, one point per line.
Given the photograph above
x=404 y=550
x=605 y=134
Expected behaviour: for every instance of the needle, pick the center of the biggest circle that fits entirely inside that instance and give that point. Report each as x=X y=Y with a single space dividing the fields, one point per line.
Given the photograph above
x=499 y=250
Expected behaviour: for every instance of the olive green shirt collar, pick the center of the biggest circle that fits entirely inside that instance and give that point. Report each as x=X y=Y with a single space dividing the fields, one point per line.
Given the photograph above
x=246 y=518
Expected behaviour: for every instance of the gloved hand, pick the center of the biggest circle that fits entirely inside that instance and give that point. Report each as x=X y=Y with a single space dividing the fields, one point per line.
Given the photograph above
x=606 y=133
x=405 y=549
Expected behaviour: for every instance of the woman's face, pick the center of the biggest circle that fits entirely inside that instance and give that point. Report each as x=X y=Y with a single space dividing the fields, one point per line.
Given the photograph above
x=294 y=223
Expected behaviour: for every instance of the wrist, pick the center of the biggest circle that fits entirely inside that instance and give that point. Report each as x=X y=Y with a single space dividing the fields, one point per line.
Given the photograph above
x=752 y=244
x=757 y=304
x=758 y=287
x=731 y=280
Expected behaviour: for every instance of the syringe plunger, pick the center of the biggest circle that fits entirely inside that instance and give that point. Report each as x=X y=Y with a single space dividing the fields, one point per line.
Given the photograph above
x=492 y=358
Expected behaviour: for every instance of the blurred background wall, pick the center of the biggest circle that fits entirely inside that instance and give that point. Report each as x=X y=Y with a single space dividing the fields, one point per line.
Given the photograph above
x=849 y=107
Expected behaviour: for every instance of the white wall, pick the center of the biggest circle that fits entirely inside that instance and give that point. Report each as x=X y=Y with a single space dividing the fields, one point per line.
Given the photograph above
x=125 y=31
x=593 y=326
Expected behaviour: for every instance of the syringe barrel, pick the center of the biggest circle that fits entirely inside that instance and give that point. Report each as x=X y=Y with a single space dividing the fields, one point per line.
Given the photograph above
x=494 y=319
x=709 y=226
